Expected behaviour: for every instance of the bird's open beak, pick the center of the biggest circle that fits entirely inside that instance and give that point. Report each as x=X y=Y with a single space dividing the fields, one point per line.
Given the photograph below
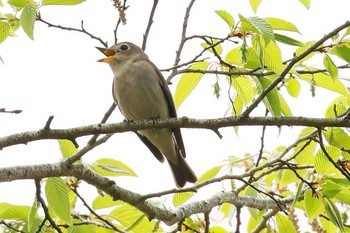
x=108 y=52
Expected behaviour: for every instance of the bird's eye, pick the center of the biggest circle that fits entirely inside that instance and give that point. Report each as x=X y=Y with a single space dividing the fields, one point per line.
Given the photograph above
x=124 y=47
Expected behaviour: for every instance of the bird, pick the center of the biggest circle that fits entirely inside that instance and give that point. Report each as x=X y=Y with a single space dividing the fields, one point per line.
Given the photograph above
x=141 y=92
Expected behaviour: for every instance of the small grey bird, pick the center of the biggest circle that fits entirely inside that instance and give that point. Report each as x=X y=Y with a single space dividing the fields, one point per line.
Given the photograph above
x=141 y=92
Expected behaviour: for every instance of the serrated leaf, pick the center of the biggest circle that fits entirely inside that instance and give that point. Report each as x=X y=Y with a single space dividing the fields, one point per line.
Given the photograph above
x=67 y=148
x=57 y=197
x=209 y=174
x=227 y=17
x=306 y=3
x=337 y=137
x=105 y=201
x=4 y=31
x=281 y=24
x=255 y=4
x=342 y=51
x=284 y=224
x=132 y=219
x=9 y=211
x=338 y=107
x=322 y=164
x=62 y=2
x=287 y=40
x=180 y=198
x=272 y=100
x=188 y=82
x=20 y=3
x=217 y=229
x=28 y=18
x=258 y=25
x=32 y=215
x=313 y=205
x=330 y=67
x=293 y=86
x=333 y=213
x=244 y=87
x=112 y=167
x=237 y=108
x=325 y=81
x=302 y=49
x=285 y=110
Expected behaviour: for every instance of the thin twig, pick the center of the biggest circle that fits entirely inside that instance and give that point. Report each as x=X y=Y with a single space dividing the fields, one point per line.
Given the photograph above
x=150 y=21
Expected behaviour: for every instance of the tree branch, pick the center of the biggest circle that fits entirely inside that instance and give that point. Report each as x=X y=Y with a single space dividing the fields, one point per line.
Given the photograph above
x=184 y=122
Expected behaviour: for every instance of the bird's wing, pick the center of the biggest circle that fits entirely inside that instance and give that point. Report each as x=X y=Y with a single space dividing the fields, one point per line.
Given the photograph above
x=171 y=108
x=151 y=147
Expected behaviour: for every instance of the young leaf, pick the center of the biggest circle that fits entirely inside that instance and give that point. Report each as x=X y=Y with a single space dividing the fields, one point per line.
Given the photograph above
x=9 y=211
x=105 y=201
x=284 y=224
x=180 y=198
x=20 y=3
x=112 y=167
x=255 y=4
x=188 y=82
x=330 y=67
x=323 y=80
x=28 y=18
x=342 y=51
x=313 y=205
x=4 y=30
x=67 y=148
x=287 y=40
x=281 y=24
x=322 y=164
x=293 y=86
x=57 y=197
x=272 y=100
x=217 y=48
x=333 y=213
x=62 y=2
x=244 y=87
x=306 y=3
x=258 y=25
x=227 y=17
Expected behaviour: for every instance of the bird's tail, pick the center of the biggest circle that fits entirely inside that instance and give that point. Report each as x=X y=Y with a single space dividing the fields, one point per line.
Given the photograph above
x=182 y=172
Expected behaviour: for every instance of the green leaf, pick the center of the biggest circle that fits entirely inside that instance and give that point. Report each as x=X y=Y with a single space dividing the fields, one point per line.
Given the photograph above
x=302 y=49
x=112 y=167
x=287 y=40
x=293 y=86
x=188 y=82
x=32 y=215
x=337 y=137
x=180 y=198
x=217 y=48
x=20 y=3
x=9 y=211
x=313 y=205
x=244 y=87
x=227 y=17
x=255 y=4
x=217 y=229
x=4 y=30
x=132 y=219
x=333 y=213
x=57 y=197
x=306 y=3
x=61 y=2
x=258 y=25
x=209 y=174
x=338 y=107
x=67 y=148
x=322 y=164
x=105 y=201
x=342 y=51
x=272 y=100
x=330 y=67
x=284 y=224
x=281 y=24
x=28 y=18
x=285 y=110
x=325 y=81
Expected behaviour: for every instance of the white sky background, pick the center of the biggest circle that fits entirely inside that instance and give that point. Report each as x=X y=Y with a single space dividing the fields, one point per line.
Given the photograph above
x=57 y=74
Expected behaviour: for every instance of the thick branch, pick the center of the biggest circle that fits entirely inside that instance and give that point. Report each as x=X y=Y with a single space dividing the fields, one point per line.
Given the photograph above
x=82 y=172
x=184 y=122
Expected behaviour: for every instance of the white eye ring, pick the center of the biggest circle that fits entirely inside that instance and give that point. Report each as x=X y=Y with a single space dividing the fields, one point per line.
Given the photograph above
x=124 y=47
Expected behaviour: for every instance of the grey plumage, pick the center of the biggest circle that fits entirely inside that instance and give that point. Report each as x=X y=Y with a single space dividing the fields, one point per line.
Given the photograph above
x=141 y=92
